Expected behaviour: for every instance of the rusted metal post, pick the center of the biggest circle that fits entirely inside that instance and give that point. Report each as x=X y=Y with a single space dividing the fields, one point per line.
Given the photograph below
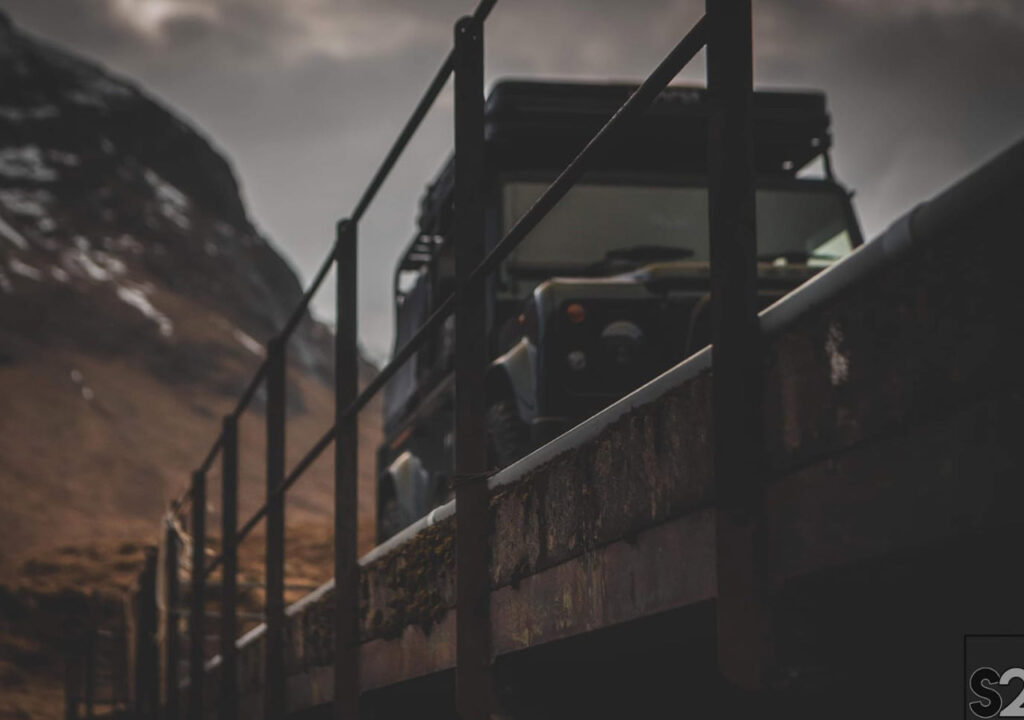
x=228 y=691
x=274 y=692
x=473 y=679
x=171 y=623
x=197 y=609
x=90 y=661
x=71 y=672
x=346 y=468
x=743 y=643
x=121 y=659
x=146 y=673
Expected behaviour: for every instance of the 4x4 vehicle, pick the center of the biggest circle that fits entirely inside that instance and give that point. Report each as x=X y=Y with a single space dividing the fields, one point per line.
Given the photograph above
x=612 y=287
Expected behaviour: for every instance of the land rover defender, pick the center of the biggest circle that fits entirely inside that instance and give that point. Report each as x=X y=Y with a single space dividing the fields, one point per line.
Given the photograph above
x=612 y=287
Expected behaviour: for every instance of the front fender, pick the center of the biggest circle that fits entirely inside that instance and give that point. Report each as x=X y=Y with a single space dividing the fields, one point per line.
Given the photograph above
x=516 y=371
x=411 y=484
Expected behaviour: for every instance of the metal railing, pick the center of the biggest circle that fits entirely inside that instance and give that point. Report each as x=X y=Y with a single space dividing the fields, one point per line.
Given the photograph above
x=726 y=32
x=98 y=655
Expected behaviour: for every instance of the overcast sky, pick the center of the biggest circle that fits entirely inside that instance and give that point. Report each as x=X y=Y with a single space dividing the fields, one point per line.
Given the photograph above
x=305 y=96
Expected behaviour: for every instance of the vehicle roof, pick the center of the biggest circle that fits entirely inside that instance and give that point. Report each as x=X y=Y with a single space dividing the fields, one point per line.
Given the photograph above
x=540 y=126
x=790 y=125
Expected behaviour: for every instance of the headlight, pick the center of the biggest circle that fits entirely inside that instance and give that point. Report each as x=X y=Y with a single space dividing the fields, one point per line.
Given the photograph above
x=622 y=341
x=577 y=360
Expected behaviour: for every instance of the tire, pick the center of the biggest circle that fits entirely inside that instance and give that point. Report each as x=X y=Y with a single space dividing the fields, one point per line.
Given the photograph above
x=508 y=437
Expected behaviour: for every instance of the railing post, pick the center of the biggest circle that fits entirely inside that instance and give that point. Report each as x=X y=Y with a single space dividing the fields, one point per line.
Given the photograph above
x=346 y=468
x=474 y=689
x=121 y=659
x=171 y=623
x=90 y=660
x=146 y=665
x=742 y=620
x=197 y=610
x=228 y=695
x=72 y=667
x=274 y=693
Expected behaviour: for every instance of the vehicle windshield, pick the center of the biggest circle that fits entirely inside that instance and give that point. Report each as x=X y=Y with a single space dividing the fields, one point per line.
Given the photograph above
x=639 y=224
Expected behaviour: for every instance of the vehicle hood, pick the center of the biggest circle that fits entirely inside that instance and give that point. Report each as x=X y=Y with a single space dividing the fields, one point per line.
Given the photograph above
x=669 y=272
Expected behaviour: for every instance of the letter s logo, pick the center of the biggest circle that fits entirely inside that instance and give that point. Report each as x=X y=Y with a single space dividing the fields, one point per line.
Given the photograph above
x=990 y=702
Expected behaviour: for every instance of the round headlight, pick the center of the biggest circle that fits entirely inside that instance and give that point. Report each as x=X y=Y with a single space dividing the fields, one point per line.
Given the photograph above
x=622 y=340
x=577 y=360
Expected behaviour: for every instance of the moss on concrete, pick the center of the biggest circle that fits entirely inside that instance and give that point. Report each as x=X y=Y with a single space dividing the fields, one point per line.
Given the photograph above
x=412 y=585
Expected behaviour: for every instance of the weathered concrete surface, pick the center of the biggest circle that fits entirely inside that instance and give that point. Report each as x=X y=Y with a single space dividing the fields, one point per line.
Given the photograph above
x=891 y=428
x=663 y=568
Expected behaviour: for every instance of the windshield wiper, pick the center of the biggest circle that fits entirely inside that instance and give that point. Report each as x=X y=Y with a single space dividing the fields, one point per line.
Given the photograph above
x=630 y=256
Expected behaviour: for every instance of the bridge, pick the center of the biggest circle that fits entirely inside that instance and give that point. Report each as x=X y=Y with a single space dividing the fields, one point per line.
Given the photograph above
x=892 y=385
x=805 y=522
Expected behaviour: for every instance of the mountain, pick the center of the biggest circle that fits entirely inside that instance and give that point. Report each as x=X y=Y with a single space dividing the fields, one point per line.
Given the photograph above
x=109 y=196
x=135 y=298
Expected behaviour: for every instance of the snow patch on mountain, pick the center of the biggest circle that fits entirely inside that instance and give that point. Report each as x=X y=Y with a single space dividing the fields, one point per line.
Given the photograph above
x=96 y=265
x=173 y=203
x=25 y=163
x=18 y=115
x=97 y=91
x=24 y=269
x=136 y=297
x=30 y=203
x=63 y=158
x=12 y=235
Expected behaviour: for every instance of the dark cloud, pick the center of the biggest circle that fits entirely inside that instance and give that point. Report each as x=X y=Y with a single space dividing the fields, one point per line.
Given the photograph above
x=919 y=94
x=306 y=95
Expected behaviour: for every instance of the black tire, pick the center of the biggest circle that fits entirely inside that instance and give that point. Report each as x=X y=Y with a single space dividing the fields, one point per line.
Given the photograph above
x=508 y=437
